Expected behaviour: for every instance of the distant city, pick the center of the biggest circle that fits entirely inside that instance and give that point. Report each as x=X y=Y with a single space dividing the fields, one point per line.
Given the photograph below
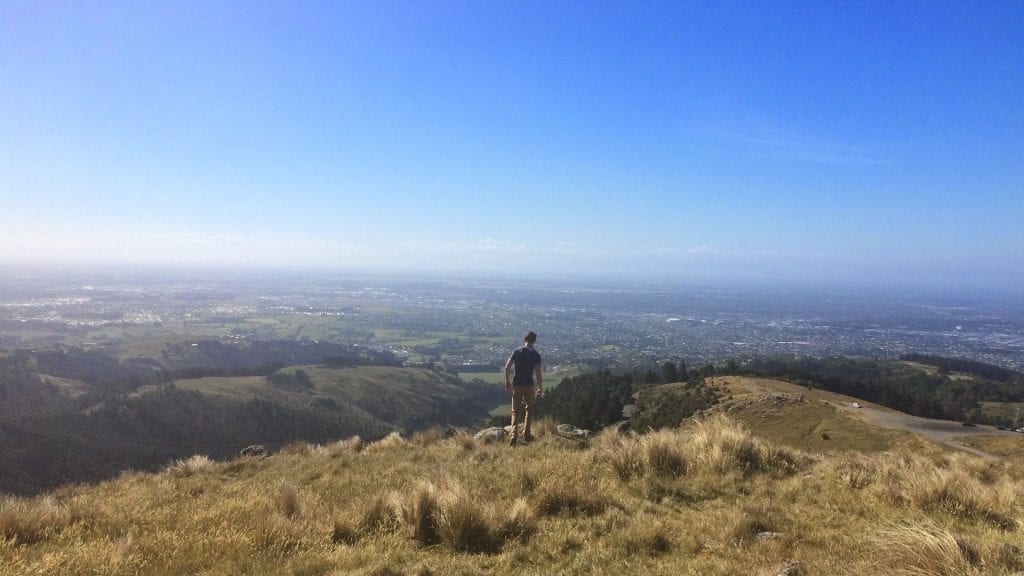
x=471 y=325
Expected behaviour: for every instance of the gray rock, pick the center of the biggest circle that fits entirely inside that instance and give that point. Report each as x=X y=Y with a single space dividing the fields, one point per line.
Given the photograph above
x=573 y=433
x=791 y=569
x=254 y=450
x=492 y=434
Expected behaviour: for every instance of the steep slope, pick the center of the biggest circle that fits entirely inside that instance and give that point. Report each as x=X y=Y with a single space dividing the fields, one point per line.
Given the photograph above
x=54 y=429
x=406 y=398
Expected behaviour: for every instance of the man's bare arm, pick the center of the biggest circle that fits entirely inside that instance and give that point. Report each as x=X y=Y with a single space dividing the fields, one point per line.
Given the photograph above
x=540 y=379
x=508 y=374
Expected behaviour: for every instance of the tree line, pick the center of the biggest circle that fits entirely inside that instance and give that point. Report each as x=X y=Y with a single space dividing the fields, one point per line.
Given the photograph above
x=660 y=397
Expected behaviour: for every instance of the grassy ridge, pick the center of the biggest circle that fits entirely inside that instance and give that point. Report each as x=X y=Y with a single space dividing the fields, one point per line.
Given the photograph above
x=710 y=498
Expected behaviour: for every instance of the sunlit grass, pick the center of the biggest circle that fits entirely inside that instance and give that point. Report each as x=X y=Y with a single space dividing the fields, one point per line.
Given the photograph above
x=709 y=498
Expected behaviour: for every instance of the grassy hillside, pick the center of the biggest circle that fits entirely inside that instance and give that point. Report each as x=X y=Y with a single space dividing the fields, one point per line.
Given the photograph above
x=407 y=398
x=89 y=416
x=814 y=420
x=709 y=498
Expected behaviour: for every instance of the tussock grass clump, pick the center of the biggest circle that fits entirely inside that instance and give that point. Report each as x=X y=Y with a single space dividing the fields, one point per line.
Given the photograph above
x=751 y=523
x=463 y=524
x=420 y=513
x=287 y=501
x=454 y=517
x=279 y=535
x=632 y=456
x=720 y=445
x=857 y=471
x=573 y=496
x=352 y=445
x=389 y=442
x=29 y=521
x=424 y=438
x=646 y=536
x=190 y=466
x=463 y=439
x=925 y=550
x=344 y=532
x=958 y=486
x=298 y=448
x=715 y=445
x=378 y=518
x=521 y=522
x=544 y=428
x=954 y=492
x=664 y=453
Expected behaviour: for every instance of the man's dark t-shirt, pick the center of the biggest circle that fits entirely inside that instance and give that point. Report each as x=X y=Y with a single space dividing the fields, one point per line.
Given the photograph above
x=526 y=359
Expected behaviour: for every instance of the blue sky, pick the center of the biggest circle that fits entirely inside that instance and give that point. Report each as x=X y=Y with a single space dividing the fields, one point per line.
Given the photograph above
x=851 y=143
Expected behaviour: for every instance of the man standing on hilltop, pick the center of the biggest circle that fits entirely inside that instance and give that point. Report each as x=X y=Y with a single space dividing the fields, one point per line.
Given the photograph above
x=526 y=361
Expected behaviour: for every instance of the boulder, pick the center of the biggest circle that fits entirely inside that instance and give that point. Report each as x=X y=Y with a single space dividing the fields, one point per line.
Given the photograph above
x=492 y=434
x=253 y=451
x=572 y=433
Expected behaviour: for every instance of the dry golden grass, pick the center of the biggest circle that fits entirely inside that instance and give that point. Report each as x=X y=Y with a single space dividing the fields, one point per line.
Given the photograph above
x=925 y=550
x=697 y=500
x=353 y=444
x=190 y=466
x=27 y=521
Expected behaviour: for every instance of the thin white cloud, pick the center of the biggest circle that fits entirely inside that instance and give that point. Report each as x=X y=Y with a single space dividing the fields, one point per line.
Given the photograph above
x=706 y=251
x=191 y=239
x=778 y=140
x=485 y=245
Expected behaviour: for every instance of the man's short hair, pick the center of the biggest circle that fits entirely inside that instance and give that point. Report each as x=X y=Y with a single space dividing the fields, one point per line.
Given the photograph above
x=530 y=337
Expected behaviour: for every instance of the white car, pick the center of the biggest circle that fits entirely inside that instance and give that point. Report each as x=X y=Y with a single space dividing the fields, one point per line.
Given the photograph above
x=857 y=405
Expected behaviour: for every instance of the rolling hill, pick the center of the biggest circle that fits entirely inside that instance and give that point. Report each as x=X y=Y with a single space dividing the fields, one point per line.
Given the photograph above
x=69 y=415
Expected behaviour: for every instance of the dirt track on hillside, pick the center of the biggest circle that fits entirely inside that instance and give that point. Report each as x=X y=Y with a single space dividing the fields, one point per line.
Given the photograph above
x=942 y=431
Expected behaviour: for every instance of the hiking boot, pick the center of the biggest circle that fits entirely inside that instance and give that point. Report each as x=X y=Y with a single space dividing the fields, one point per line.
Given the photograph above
x=513 y=441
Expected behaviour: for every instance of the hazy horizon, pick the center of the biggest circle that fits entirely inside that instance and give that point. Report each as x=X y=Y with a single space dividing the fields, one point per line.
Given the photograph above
x=146 y=274
x=872 y=145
